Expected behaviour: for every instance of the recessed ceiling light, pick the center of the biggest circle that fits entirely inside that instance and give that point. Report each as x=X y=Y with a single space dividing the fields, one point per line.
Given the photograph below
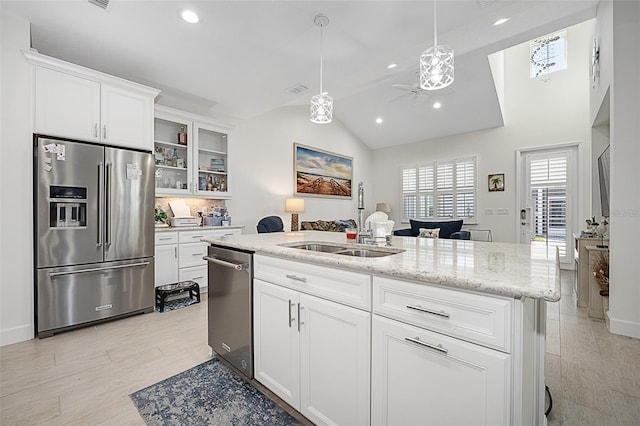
x=379 y=120
x=390 y=66
x=501 y=21
x=437 y=105
x=189 y=15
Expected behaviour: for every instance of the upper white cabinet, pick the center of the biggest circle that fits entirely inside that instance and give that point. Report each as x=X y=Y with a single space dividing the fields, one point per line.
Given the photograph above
x=79 y=103
x=191 y=155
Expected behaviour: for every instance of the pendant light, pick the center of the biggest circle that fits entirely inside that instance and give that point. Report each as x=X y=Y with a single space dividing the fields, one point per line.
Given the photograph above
x=436 y=63
x=321 y=104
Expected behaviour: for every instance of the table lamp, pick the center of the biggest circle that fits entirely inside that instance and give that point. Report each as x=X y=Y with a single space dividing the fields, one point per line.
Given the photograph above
x=383 y=207
x=294 y=206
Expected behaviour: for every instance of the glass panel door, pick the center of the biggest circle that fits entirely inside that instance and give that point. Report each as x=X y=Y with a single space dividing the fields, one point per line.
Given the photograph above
x=211 y=176
x=172 y=149
x=545 y=210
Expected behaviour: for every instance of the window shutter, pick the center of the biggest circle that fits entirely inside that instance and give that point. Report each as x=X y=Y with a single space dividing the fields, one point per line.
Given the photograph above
x=440 y=190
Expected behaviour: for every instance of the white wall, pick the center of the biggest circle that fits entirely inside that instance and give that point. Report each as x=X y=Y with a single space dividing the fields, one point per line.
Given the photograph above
x=619 y=32
x=262 y=150
x=537 y=114
x=16 y=241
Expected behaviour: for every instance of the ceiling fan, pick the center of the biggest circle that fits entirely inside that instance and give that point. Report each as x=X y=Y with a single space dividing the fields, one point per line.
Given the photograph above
x=418 y=95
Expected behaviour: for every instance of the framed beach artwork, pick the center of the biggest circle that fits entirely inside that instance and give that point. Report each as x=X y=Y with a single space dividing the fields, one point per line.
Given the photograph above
x=496 y=182
x=320 y=173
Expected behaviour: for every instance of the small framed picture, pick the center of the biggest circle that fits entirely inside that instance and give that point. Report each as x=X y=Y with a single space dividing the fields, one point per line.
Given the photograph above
x=496 y=182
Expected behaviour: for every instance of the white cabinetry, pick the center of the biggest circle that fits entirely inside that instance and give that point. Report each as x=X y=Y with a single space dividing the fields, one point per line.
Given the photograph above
x=191 y=155
x=433 y=356
x=75 y=102
x=424 y=378
x=166 y=258
x=311 y=352
x=179 y=255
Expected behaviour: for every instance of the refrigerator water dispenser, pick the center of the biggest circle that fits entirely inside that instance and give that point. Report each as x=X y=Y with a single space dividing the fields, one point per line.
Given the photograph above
x=67 y=207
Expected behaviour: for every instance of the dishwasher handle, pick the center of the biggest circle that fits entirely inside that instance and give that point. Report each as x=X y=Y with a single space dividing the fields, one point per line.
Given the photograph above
x=236 y=266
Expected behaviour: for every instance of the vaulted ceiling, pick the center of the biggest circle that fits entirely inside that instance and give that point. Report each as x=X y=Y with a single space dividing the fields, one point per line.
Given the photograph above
x=242 y=58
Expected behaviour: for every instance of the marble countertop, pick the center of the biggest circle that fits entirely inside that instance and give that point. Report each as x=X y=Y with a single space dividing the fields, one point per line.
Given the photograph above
x=197 y=228
x=512 y=270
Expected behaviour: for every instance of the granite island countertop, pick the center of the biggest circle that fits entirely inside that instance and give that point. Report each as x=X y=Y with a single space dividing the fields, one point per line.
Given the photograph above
x=195 y=228
x=505 y=269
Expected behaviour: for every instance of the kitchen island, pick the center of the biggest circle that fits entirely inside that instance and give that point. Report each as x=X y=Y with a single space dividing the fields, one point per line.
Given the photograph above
x=441 y=332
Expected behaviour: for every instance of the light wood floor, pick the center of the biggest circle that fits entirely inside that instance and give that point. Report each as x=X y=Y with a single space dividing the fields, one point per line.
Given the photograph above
x=84 y=377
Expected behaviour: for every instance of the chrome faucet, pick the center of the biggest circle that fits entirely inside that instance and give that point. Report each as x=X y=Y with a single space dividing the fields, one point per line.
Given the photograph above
x=362 y=233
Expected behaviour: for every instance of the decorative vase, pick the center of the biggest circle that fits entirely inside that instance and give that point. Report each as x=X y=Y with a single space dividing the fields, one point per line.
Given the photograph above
x=605 y=308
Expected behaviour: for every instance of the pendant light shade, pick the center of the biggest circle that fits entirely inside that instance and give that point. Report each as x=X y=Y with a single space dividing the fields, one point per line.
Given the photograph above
x=321 y=104
x=436 y=63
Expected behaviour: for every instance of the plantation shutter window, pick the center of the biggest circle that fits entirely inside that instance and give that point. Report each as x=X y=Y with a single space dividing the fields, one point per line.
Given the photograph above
x=440 y=190
x=548 y=193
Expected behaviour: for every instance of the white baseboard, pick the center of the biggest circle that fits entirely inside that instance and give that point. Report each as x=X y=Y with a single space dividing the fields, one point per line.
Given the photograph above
x=16 y=334
x=623 y=327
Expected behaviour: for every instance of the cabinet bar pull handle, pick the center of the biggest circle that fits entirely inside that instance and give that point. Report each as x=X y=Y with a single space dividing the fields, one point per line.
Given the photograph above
x=300 y=322
x=296 y=278
x=197 y=236
x=175 y=252
x=196 y=278
x=291 y=319
x=429 y=311
x=417 y=341
x=197 y=254
x=95 y=130
x=104 y=131
x=163 y=239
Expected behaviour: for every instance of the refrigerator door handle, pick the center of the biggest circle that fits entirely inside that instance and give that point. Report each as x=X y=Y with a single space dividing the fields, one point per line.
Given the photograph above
x=106 y=269
x=107 y=204
x=100 y=179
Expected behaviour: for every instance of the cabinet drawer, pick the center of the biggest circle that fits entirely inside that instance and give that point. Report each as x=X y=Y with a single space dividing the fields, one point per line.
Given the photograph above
x=195 y=273
x=163 y=238
x=192 y=254
x=486 y=320
x=349 y=288
x=196 y=236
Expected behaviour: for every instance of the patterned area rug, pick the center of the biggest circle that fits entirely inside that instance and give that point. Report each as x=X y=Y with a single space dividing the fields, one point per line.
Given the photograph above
x=172 y=305
x=208 y=394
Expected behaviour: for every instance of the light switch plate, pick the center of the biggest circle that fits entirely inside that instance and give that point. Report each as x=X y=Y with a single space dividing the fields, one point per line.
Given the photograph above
x=488 y=212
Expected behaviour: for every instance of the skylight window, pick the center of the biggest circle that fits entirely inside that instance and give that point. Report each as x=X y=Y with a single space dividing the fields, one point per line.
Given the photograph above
x=548 y=54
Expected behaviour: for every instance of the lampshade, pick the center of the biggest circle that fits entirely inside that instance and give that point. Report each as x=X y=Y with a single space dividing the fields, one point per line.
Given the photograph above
x=294 y=205
x=436 y=63
x=383 y=207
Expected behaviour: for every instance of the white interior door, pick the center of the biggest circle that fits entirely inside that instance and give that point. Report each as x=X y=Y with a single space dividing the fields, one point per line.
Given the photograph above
x=548 y=198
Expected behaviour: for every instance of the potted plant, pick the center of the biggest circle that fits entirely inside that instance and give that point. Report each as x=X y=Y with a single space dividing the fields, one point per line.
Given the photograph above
x=160 y=217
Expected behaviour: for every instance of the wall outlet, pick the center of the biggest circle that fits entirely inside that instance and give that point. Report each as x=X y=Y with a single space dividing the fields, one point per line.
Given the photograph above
x=502 y=212
x=488 y=212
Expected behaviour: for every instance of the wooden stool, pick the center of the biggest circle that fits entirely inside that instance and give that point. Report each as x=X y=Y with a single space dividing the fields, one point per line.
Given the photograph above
x=163 y=291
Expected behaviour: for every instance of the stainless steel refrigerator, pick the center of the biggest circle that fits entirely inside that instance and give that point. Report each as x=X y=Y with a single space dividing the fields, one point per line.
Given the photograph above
x=94 y=233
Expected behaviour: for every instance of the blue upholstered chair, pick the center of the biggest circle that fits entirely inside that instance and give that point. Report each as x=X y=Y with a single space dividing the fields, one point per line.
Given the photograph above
x=270 y=224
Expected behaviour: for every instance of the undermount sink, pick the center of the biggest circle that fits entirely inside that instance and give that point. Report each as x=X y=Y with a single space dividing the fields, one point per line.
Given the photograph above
x=346 y=251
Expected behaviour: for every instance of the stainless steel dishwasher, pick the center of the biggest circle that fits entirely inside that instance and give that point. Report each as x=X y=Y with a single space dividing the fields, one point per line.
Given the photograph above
x=230 y=288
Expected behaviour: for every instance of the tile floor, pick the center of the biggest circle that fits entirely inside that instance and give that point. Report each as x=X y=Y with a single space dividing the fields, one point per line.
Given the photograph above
x=84 y=377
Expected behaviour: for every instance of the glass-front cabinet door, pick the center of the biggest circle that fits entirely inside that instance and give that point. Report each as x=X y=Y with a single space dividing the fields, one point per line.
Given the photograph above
x=172 y=155
x=211 y=176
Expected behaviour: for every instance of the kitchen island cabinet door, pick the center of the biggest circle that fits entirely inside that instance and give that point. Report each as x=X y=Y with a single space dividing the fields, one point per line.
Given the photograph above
x=276 y=340
x=435 y=379
x=335 y=347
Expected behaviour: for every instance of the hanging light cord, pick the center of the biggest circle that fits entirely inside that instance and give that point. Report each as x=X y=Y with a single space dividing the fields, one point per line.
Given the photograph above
x=435 y=25
x=321 y=51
